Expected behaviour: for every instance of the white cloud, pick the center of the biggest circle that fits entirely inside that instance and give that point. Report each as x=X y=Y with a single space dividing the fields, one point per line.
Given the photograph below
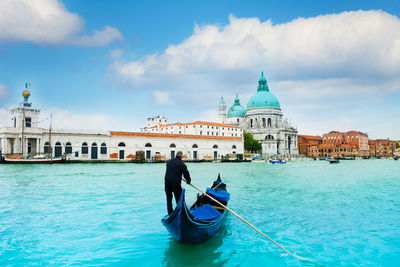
x=208 y=115
x=116 y=53
x=5 y=118
x=162 y=98
x=48 y=22
x=63 y=119
x=3 y=92
x=348 y=44
x=99 y=38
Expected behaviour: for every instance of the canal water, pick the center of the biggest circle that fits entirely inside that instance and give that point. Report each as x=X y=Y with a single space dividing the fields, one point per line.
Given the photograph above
x=109 y=214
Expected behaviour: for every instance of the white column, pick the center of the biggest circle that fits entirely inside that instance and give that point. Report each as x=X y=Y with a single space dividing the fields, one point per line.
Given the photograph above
x=37 y=145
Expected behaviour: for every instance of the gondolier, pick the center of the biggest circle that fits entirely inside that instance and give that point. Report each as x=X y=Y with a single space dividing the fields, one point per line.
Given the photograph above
x=173 y=177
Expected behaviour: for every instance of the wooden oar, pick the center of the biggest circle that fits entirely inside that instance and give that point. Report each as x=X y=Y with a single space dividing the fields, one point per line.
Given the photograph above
x=249 y=224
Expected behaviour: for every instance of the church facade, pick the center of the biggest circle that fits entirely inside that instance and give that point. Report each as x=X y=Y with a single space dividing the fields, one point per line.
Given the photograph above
x=263 y=118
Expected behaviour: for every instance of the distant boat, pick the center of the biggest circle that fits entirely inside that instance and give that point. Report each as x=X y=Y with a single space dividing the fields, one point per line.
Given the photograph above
x=334 y=161
x=395 y=158
x=199 y=223
x=277 y=161
x=257 y=160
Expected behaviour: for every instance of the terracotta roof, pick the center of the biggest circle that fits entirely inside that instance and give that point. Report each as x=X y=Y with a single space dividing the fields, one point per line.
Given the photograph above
x=136 y=134
x=310 y=136
x=197 y=123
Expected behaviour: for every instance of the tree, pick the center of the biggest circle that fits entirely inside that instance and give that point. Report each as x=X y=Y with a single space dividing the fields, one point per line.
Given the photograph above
x=250 y=144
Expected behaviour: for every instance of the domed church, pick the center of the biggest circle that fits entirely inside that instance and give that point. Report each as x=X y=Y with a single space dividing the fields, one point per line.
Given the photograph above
x=263 y=118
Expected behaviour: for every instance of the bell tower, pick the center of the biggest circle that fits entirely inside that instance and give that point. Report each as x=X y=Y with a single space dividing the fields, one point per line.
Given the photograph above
x=222 y=111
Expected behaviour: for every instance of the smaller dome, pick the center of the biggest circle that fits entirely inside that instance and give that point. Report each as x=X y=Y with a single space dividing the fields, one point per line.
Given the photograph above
x=222 y=101
x=236 y=110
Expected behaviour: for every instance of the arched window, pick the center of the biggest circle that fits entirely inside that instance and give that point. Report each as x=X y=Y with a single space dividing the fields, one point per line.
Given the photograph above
x=85 y=149
x=94 y=144
x=263 y=122
x=46 y=147
x=103 y=148
x=121 y=144
x=68 y=148
x=172 y=145
x=148 y=145
x=195 y=146
x=58 y=150
x=269 y=122
x=215 y=146
x=233 y=147
x=251 y=123
x=269 y=137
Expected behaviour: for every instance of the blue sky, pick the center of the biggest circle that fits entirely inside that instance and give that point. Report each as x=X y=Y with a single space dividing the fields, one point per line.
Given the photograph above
x=334 y=65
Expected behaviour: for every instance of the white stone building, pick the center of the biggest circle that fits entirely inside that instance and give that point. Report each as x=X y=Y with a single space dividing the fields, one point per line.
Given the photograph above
x=197 y=140
x=264 y=119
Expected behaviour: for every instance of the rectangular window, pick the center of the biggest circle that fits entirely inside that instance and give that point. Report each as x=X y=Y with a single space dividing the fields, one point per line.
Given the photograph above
x=148 y=154
x=15 y=122
x=103 y=150
x=28 y=122
x=85 y=150
x=76 y=154
x=68 y=150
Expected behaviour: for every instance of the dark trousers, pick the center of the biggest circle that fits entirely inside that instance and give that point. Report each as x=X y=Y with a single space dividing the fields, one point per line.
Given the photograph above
x=169 y=189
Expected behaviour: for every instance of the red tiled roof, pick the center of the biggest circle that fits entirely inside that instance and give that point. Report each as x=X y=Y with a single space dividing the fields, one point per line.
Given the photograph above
x=315 y=137
x=136 y=134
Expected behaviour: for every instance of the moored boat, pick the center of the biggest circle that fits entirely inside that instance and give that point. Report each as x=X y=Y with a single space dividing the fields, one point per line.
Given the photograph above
x=334 y=161
x=14 y=159
x=202 y=220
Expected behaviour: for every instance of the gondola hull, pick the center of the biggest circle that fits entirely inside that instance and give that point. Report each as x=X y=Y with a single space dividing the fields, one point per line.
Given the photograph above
x=184 y=229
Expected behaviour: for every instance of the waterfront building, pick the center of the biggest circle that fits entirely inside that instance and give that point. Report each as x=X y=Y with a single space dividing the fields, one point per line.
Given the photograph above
x=201 y=128
x=344 y=144
x=197 y=140
x=382 y=148
x=335 y=144
x=263 y=118
x=309 y=145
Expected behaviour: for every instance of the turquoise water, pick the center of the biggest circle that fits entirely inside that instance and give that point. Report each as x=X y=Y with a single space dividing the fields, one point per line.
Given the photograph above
x=109 y=214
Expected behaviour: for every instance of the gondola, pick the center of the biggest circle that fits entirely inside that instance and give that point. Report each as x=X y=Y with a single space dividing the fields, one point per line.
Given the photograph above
x=202 y=220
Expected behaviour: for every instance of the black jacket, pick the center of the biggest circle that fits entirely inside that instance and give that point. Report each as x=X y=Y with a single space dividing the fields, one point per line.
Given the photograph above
x=175 y=169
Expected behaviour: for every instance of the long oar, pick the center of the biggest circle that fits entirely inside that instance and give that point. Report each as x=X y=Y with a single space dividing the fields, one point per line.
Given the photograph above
x=249 y=224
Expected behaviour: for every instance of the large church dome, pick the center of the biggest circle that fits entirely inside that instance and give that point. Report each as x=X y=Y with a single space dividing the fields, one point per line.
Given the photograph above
x=263 y=98
x=236 y=110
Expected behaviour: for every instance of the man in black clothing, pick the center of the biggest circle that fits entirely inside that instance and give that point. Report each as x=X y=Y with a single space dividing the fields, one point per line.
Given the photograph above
x=173 y=177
